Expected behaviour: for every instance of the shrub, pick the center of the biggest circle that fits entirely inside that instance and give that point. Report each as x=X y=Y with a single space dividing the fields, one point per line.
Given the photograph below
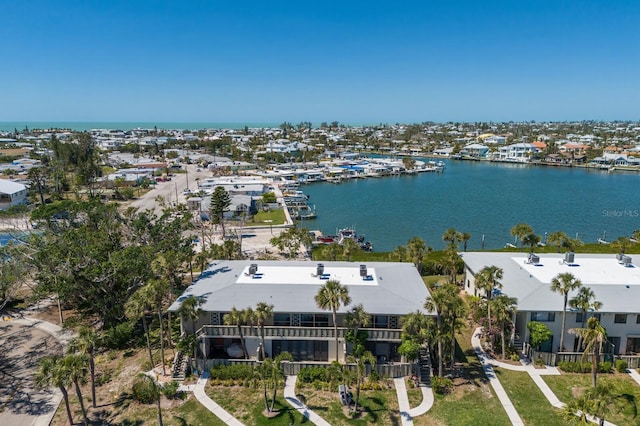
x=515 y=357
x=231 y=372
x=145 y=389
x=312 y=374
x=605 y=367
x=119 y=336
x=170 y=389
x=441 y=385
x=584 y=367
x=622 y=365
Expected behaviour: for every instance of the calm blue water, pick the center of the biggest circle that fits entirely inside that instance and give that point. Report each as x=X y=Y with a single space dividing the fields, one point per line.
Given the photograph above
x=480 y=198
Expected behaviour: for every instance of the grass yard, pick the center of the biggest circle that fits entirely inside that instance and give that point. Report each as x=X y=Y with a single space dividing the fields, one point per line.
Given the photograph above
x=570 y=385
x=277 y=216
x=531 y=404
x=380 y=407
x=247 y=405
x=190 y=413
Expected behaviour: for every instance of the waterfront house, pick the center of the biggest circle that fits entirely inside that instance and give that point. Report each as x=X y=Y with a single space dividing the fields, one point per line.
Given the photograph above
x=387 y=291
x=520 y=152
x=12 y=194
x=474 y=150
x=613 y=278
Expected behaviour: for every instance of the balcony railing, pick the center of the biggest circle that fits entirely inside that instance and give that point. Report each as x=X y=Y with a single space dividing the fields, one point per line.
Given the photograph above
x=311 y=333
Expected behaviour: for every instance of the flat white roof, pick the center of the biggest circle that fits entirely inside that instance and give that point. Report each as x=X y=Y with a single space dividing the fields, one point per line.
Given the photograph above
x=602 y=271
x=307 y=276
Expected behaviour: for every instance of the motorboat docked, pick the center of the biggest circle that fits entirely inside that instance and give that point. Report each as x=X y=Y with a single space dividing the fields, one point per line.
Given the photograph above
x=343 y=235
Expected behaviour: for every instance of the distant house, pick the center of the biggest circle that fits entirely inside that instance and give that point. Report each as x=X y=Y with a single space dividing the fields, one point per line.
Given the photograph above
x=519 y=152
x=12 y=194
x=475 y=150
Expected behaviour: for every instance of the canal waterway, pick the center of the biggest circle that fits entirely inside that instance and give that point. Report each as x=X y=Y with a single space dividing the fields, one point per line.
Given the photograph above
x=483 y=199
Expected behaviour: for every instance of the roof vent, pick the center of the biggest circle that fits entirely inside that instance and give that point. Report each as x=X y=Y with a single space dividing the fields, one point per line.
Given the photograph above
x=253 y=269
x=363 y=270
x=320 y=269
x=569 y=257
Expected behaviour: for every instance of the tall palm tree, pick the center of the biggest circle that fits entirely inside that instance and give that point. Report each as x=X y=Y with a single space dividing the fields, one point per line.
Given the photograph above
x=51 y=373
x=332 y=251
x=76 y=367
x=451 y=236
x=355 y=319
x=584 y=301
x=504 y=306
x=456 y=311
x=349 y=246
x=557 y=238
x=521 y=230
x=261 y=314
x=87 y=342
x=465 y=237
x=158 y=290
x=593 y=336
x=399 y=254
x=438 y=302
x=563 y=283
x=136 y=308
x=487 y=280
x=531 y=240
x=417 y=249
x=361 y=361
x=237 y=317
x=332 y=296
x=190 y=310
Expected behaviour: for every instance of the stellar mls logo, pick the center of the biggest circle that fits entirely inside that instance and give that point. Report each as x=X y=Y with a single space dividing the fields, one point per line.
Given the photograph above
x=621 y=213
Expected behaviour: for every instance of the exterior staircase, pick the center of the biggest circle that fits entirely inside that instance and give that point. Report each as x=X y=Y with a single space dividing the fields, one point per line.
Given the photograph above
x=424 y=364
x=179 y=367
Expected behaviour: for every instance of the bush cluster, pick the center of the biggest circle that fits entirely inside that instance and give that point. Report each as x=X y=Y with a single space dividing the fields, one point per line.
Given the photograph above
x=312 y=374
x=145 y=390
x=441 y=385
x=239 y=372
x=622 y=365
x=584 y=367
x=170 y=390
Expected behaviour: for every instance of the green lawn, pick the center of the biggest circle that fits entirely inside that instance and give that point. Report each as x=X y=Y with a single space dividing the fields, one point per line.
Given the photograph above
x=531 y=404
x=380 y=407
x=569 y=385
x=247 y=406
x=189 y=413
x=277 y=216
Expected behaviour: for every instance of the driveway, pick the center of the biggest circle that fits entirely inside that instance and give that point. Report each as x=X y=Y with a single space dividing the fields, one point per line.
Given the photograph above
x=21 y=348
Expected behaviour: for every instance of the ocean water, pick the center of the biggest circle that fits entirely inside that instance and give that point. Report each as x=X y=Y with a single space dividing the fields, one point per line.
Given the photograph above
x=483 y=199
x=80 y=126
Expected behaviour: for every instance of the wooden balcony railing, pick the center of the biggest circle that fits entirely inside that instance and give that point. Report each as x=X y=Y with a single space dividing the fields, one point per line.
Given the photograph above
x=311 y=333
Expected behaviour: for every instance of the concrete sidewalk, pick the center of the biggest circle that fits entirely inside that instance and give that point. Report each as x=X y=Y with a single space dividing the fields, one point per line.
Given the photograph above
x=406 y=412
x=203 y=398
x=290 y=397
x=634 y=374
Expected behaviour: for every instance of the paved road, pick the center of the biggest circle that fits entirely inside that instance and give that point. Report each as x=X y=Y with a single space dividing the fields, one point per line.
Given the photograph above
x=21 y=348
x=171 y=189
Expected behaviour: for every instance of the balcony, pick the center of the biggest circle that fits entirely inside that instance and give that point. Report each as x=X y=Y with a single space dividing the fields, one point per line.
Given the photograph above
x=311 y=333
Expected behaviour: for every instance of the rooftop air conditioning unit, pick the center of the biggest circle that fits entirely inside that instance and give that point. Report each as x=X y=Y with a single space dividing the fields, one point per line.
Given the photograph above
x=535 y=259
x=569 y=257
x=253 y=269
x=363 y=270
x=626 y=261
x=320 y=269
x=620 y=256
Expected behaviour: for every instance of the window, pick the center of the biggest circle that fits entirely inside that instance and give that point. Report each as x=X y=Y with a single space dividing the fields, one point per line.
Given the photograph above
x=638 y=319
x=380 y=321
x=306 y=320
x=282 y=320
x=579 y=317
x=302 y=350
x=322 y=320
x=620 y=319
x=543 y=316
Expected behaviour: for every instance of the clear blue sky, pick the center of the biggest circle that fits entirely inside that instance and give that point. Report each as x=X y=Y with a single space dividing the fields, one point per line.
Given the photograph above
x=303 y=60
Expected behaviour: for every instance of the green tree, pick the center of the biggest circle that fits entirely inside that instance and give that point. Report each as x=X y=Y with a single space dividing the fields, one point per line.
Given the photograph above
x=137 y=308
x=330 y=297
x=487 y=281
x=538 y=333
x=600 y=402
x=531 y=240
x=440 y=302
x=361 y=360
x=621 y=243
x=504 y=307
x=238 y=318
x=558 y=238
x=416 y=250
x=563 y=283
x=465 y=237
x=76 y=367
x=261 y=314
x=291 y=239
x=451 y=236
x=593 y=337
x=399 y=254
x=357 y=318
x=331 y=251
x=349 y=246
x=584 y=301
x=50 y=372
x=87 y=342
x=520 y=231
x=220 y=202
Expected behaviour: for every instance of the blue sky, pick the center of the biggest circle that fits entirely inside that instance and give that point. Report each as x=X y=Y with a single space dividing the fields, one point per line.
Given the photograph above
x=351 y=61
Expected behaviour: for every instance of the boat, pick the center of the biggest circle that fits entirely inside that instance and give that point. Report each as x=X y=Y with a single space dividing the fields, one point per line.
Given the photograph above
x=342 y=235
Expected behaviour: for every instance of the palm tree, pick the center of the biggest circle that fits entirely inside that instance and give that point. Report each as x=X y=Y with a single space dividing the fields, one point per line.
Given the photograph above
x=465 y=237
x=399 y=254
x=557 y=238
x=349 y=246
x=531 y=240
x=136 y=308
x=190 y=310
x=622 y=243
x=438 y=302
x=361 y=361
x=87 y=342
x=584 y=301
x=332 y=251
x=51 y=373
x=521 y=230
x=355 y=319
x=593 y=336
x=599 y=402
x=504 y=306
x=417 y=249
x=236 y=317
x=563 y=283
x=456 y=311
x=261 y=314
x=277 y=375
x=331 y=296
x=76 y=368
x=451 y=236
x=487 y=280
